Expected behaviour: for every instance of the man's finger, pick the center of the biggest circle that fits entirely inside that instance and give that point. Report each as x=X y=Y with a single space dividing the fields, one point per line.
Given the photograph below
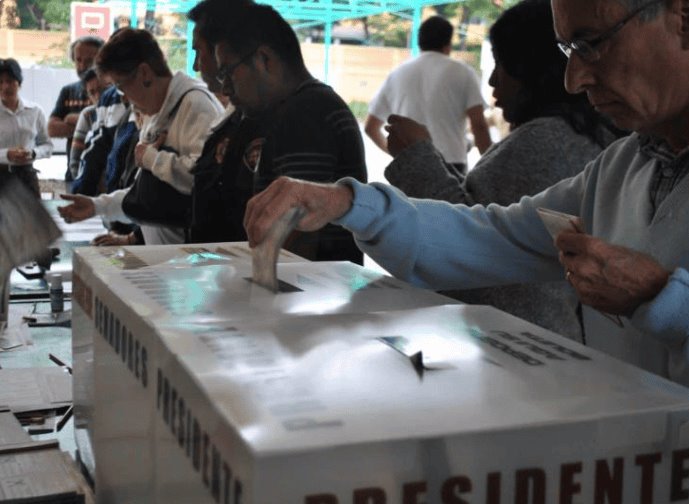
x=572 y=242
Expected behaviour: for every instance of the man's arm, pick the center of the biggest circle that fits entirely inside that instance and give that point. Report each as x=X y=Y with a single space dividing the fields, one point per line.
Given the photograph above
x=479 y=128
x=63 y=128
x=374 y=129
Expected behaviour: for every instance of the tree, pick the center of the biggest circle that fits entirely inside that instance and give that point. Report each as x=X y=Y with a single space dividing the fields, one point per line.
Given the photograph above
x=43 y=14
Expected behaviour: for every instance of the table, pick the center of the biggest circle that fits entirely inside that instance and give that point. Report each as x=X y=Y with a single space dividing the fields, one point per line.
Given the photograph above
x=29 y=296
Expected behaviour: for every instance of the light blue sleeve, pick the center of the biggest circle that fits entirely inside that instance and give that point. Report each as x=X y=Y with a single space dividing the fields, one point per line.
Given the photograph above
x=443 y=246
x=667 y=318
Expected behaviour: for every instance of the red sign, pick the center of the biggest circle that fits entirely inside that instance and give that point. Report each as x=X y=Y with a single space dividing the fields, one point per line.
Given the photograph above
x=90 y=19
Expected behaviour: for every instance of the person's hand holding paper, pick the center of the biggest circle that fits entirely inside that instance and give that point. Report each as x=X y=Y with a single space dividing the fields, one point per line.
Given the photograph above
x=610 y=278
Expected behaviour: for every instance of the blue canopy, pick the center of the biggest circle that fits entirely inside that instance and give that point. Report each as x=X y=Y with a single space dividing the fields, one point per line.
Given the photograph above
x=302 y=13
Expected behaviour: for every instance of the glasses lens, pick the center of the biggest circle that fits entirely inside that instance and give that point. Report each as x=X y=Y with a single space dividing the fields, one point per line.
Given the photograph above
x=585 y=50
x=565 y=48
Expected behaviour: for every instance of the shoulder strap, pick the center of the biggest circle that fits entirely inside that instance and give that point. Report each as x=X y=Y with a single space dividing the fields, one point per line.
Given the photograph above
x=174 y=109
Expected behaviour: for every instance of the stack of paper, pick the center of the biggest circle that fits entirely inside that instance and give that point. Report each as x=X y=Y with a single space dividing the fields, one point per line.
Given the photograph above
x=36 y=472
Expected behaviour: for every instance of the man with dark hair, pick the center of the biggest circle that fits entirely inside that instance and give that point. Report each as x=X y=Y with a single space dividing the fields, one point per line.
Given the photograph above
x=73 y=98
x=222 y=186
x=435 y=34
x=302 y=128
x=436 y=91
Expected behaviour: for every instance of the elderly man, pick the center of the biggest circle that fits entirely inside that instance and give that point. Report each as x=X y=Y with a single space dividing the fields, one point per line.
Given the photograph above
x=631 y=259
x=73 y=97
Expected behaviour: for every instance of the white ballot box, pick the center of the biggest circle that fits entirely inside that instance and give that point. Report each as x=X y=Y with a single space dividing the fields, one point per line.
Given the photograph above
x=351 y=387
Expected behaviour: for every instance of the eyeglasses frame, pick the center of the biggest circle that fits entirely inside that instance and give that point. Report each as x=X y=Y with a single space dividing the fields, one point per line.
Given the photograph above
x=227 y=71
x=586 y=49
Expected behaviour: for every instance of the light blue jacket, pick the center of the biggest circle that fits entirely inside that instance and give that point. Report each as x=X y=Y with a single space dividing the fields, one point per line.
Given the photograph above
x=443 y=246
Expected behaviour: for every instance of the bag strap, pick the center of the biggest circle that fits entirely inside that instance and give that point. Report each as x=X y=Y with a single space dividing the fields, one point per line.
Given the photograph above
x=173 y=111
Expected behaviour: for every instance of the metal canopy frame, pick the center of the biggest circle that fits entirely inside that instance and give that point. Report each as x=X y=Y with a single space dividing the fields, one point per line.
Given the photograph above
x=301 y=14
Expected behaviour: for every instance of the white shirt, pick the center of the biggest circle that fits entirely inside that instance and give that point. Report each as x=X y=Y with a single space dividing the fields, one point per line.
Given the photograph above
x=436 y=91
x=26 y=127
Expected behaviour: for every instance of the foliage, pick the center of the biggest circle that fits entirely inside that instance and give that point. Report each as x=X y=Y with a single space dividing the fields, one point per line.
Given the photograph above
x=61 y=61
x=39 y=14
x=388 y=30
x=394 y=31
x=175 y=51
x=359 y=109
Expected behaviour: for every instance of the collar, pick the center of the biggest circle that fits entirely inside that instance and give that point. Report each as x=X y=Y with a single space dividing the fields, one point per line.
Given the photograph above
x=657 y=148
x=22 y=105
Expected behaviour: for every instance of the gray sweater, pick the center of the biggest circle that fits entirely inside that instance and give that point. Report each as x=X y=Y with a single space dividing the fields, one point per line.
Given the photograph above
x=533 y=157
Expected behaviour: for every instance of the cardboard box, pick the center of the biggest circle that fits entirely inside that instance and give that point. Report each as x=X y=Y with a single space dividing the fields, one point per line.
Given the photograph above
x=221 y=392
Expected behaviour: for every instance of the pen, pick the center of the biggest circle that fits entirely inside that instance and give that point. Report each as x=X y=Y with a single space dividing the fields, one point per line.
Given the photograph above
x=59 y=363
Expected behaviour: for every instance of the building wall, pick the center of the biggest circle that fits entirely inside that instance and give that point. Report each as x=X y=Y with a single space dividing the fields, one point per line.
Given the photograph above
x=356 y=72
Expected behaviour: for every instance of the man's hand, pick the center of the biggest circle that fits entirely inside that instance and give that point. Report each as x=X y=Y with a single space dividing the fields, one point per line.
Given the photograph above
x=609 y=278
x=403 y=132
x=59 y=128
x=141 y=147
x=322 y=202
x=80 y=209
x=19 y=155
x=114 y=239
x=72 y=119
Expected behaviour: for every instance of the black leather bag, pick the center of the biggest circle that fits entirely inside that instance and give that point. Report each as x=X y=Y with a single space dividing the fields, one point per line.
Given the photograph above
x=154 y=201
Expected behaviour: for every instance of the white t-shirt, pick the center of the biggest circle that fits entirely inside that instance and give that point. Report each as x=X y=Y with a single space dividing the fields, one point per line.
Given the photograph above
x=436 y=91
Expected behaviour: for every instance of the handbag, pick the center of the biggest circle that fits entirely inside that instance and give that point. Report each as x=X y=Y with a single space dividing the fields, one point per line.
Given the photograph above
x=153 y=201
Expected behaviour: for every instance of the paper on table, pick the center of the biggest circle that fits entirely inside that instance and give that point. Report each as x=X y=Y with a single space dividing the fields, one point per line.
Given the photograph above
x=11 y=431
x=264 y=257
x=39 y=388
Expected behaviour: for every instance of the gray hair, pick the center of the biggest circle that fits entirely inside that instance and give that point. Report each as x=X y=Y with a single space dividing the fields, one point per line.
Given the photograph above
x=647 y=14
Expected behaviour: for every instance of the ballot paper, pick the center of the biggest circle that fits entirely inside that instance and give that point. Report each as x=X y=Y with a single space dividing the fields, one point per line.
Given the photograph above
x=265 y=255
x=556 y=222
x=26 y=227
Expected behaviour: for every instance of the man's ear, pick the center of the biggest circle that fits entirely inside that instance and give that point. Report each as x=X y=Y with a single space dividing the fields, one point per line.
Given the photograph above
x=147 y=74
x=266 y=58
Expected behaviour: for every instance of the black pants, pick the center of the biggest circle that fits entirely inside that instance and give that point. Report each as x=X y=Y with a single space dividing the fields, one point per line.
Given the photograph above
x=25 y=174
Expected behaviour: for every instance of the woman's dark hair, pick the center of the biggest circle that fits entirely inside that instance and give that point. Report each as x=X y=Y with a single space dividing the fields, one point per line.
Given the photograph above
x=524 y=44
x=127 y=49
x=12 y=68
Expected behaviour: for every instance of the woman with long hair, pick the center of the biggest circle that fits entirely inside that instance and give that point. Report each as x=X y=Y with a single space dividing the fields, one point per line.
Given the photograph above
x=553 y=135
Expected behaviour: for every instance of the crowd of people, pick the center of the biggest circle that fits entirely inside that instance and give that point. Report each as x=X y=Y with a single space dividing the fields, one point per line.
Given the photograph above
x=598 y=131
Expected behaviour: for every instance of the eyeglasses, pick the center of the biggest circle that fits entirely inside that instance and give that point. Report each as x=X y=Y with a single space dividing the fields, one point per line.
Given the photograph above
x=128 y=79
x=226 y=71
x=586 y=49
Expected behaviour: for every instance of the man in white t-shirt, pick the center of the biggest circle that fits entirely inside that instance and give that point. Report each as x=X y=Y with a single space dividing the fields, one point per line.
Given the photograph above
x=437 y=91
